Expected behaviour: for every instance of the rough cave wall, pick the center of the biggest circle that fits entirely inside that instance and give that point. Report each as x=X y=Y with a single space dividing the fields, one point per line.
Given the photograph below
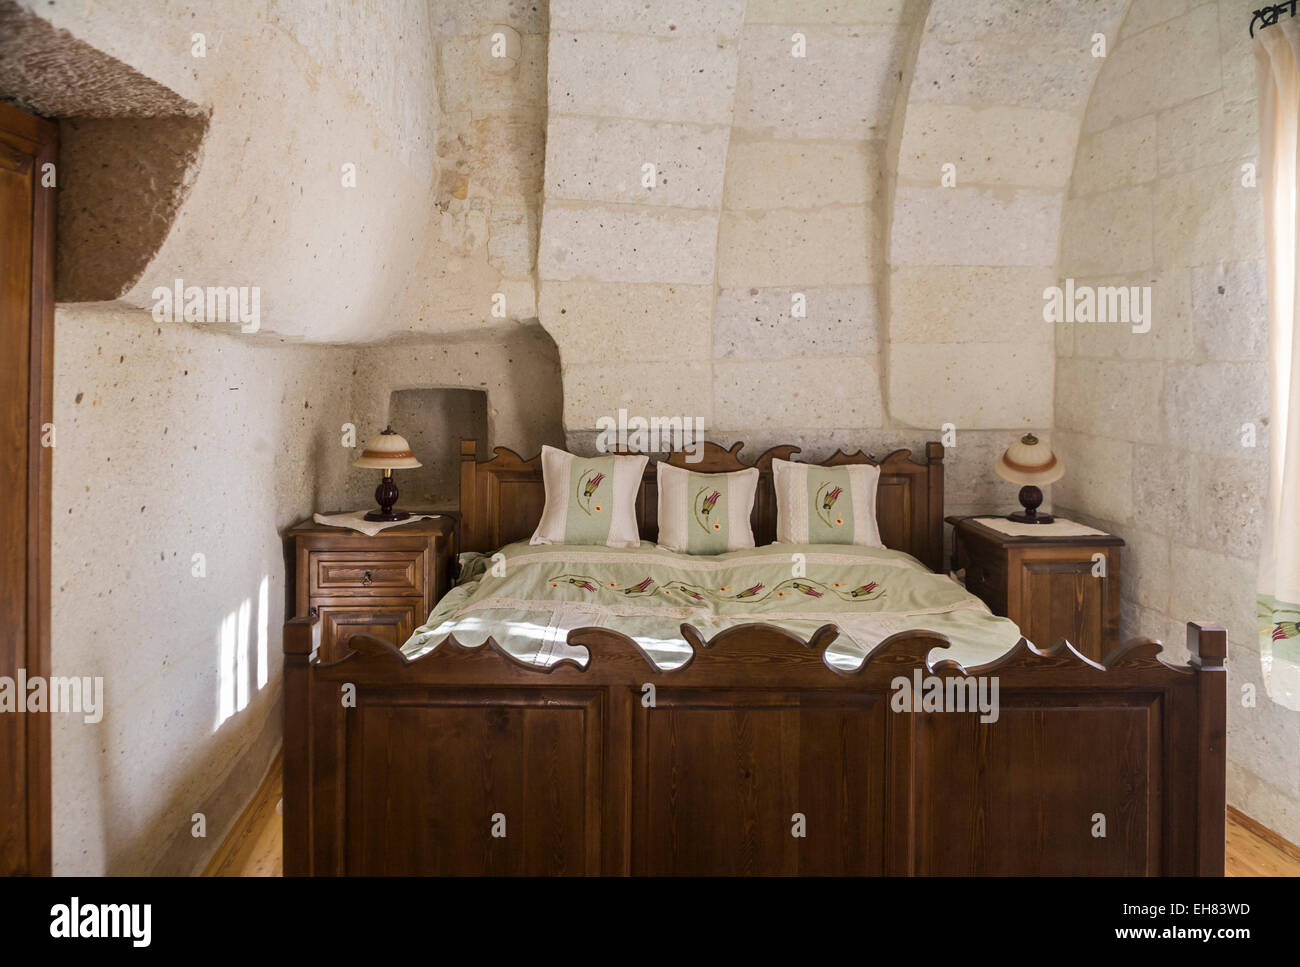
x=227 y=438
x=174 y=442
x=295 y=90
x=1150 y=424
x=627 y=272
x=518 y=370
x=468 y=312
x=476 y=272
x=923 y=301
x=177 y=440
x=997 y=90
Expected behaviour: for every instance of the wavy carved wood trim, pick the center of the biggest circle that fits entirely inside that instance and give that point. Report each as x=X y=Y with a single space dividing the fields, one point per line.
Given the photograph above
x=758 y=651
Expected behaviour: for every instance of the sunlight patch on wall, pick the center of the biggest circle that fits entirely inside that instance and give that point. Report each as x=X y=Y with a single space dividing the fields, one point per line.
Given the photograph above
x=263 y=636
x=235 y=662
x=225 y=670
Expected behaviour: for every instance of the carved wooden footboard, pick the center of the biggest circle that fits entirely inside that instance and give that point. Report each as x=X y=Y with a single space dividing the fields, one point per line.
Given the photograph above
x=756 y=758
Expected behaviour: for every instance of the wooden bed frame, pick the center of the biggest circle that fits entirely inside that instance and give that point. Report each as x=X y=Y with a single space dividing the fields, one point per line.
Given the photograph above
x=754 y=758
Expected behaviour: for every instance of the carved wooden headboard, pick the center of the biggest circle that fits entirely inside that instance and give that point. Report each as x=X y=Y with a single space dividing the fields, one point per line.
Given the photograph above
x=501 y=499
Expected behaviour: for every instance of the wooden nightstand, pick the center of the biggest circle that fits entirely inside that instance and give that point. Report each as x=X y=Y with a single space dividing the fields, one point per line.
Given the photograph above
x=1044 y=584
x=383 y=586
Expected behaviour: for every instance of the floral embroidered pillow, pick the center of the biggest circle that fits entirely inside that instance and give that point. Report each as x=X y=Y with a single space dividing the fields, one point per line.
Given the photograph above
x=589 y=500
x=826 y=505
x=705 y=513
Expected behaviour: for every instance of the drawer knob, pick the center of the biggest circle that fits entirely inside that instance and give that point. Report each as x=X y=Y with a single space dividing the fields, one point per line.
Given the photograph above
x=365 y=579
x=314 y=612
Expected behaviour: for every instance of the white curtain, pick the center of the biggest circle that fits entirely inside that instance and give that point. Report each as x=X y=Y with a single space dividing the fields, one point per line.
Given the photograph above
x=1277 y=51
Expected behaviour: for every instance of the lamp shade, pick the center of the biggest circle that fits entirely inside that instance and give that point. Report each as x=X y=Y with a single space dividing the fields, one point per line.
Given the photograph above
x=1029 y=461
x=387 y=451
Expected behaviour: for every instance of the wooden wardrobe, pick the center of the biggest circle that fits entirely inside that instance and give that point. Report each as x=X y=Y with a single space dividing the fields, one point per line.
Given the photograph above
x=28 y=148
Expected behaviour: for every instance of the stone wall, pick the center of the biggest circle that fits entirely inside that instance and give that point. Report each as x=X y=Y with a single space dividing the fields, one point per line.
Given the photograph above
x=519 y=371
x=996 y=91
x=813 y=180
x=675 y=296
x=627 y=271
x=476 y=270
x=178 y=439
x=801 y=223
x=1150 y=425
x=174 y=442
x=972 y=246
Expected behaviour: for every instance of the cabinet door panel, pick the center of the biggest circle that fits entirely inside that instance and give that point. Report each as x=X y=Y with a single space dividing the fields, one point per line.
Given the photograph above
x=1062 y=600
x=393 y=621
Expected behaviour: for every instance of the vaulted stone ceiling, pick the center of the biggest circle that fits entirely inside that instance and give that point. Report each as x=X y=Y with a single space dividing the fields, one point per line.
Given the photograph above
x=836 y=121
x=492 y=190
x=998 y=90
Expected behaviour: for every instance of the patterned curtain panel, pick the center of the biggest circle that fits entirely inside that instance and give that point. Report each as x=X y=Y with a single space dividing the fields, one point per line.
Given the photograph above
x=1277 y=51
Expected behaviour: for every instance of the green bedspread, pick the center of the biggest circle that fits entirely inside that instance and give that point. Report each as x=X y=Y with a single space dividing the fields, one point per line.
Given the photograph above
x=530 y=597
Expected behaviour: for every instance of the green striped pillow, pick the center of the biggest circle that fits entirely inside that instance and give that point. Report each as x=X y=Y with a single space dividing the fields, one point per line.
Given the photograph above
x=826 y=505
x=705 y=513
x=589 y=500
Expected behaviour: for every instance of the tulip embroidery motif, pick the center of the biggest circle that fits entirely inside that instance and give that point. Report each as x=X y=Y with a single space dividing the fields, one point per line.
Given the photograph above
x=1286 y=629
x=588 y=489
x=827 y=496
x=754 y=594
x=706 y=502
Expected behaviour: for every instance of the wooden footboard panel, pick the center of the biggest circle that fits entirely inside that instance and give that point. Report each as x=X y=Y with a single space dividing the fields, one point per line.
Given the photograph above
x=756 y=758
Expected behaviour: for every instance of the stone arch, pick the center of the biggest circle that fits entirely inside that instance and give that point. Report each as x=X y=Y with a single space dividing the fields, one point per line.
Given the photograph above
x=998 y=90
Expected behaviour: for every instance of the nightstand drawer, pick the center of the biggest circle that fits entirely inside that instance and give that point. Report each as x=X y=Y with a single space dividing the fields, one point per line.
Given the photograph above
x=365 y=574
x=392 y=621
x=986 y=578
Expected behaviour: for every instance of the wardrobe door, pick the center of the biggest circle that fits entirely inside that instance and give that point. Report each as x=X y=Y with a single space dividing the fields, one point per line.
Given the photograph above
x=27 y=146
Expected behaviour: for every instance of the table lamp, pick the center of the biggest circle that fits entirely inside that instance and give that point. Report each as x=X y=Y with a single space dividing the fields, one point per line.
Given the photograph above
x=1032 y=463
x=387 y=452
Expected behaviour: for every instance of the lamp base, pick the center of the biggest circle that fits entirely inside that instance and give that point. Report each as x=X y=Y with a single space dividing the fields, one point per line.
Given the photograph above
x=1023 y=518
x=1030 y=498
x=390 y=515
x=386 y=495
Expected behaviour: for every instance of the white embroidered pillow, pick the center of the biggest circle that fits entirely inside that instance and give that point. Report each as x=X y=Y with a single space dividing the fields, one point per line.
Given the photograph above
x=589 y=500
x=705 y=513
x=826 y=505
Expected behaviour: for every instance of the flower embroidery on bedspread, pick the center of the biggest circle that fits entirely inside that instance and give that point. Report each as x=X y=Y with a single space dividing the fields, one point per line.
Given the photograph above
x=1283 y=630
x=697 y=593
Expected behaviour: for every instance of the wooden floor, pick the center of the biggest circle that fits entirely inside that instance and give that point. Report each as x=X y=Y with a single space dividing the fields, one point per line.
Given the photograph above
x=255 y=846
x=1250 y=854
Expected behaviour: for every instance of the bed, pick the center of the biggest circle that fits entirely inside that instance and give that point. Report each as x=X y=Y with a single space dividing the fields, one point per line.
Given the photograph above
x=581 y=710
